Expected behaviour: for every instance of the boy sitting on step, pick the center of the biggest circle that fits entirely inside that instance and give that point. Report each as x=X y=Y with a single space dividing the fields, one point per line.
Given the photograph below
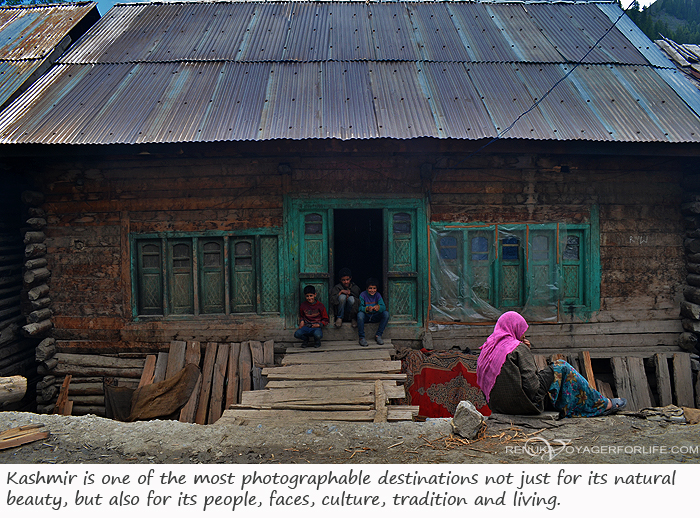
x=312 y=319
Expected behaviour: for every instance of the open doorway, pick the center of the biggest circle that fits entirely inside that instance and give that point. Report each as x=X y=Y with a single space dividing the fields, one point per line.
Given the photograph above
x=358 y=236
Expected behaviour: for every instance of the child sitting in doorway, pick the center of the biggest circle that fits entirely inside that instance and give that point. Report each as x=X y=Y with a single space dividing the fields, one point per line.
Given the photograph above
x=312 y=319
x=345 y=298
x=372 y=309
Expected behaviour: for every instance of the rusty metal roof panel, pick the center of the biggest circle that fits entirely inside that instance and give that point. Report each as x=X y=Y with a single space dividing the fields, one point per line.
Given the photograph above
x=13 y=74
x=309 y=32
x=562 y=105
x=455 y=103
x=267 y=33
x=351 y=34
x=574 y=30
x=506 y=98
x=480 y=33
x=348 y=106
x=435 y=34
x=34 y=32
x=392 y=33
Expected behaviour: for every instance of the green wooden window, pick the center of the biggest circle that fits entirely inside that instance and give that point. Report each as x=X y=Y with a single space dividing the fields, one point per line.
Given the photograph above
x=206 y=275
x=513 y=267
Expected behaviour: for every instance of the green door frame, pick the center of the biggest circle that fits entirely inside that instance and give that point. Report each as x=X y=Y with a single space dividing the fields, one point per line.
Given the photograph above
x=296 y=206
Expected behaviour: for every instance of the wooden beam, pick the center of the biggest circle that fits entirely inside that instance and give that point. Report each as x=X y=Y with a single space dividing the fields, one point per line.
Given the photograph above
x=232 y=375
x=62 y=401
x=380 y=415
x=189 y=411
x=161 y=367
x=12 y=389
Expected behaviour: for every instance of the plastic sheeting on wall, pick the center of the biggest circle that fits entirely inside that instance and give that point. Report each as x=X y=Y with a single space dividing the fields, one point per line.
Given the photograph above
x=480 y=271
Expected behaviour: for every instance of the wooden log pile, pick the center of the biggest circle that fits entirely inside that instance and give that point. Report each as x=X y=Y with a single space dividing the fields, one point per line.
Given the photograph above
x=337 y=382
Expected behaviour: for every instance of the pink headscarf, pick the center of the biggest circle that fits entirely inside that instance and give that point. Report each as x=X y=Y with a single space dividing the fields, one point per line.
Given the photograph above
x=510 y=328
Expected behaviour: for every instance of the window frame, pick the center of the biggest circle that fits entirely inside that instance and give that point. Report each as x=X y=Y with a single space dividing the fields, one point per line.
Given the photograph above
x=166 y=241
x=588 y=263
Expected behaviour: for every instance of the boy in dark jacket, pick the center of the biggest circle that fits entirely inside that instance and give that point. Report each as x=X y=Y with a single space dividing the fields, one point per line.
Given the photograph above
x=345 y=298
x=312 y=319
x=372 y=309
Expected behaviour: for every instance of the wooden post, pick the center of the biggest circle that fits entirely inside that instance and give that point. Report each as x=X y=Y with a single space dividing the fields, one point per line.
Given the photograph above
x=379 y=402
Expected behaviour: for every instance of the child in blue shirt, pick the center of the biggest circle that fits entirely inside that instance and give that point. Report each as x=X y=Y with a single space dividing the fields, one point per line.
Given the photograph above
x=372 y=309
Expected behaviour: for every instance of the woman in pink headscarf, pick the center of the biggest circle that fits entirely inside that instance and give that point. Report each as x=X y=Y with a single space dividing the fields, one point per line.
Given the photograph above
x=508 y=376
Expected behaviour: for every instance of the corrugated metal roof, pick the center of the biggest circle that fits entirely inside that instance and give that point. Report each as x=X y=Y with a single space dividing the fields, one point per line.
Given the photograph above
x=30 y=37
x=222 y=71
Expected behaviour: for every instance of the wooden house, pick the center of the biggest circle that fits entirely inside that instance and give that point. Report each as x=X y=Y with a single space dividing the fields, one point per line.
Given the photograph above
x=198 y=163
x=31 y=39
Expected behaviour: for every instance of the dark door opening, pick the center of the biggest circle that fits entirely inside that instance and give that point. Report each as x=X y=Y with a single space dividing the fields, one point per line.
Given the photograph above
x=358 y=236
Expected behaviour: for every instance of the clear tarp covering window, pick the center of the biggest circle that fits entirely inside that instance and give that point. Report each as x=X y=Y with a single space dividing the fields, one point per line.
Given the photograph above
x=479 y=272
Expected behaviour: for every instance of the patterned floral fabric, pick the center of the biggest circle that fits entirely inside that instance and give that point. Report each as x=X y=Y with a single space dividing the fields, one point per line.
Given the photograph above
x=438 y=380
x=572 y=395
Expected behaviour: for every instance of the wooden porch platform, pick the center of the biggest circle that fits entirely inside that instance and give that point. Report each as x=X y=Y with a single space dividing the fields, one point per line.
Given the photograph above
x=340 y=381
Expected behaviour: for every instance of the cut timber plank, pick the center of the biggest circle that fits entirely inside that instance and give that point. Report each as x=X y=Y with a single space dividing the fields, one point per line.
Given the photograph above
x=205 y=391
x=232 y=375
x=557 y=356
x=313 y=395
x=62 y=401
x=348 y=376
x=256 y=352
x=189 y=411
x=683 y=380
x=663 y=380
x=218 y=382
x=21 y=435
x=342 y=346
x=390 y=388
x=282 y=416
x=176 y=358
x=402 y=412
x=380 y=398
x=638 y=382
x=587 y=368
x=245 y=366
x=622 y=380
x=269 y=352
x=330 y=368
x=336 y=356
x=605 y=389
x=161 y=367
x=149 y=370
x=193 y=353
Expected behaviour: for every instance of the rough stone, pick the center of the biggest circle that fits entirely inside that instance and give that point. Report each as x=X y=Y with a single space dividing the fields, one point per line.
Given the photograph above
x=467 y=421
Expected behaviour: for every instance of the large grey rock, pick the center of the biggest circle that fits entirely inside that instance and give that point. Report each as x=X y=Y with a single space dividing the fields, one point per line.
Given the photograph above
x=467 y=421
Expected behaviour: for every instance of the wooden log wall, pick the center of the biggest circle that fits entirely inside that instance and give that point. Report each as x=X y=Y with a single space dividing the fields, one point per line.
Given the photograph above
x=16 y=349
x=93 y=203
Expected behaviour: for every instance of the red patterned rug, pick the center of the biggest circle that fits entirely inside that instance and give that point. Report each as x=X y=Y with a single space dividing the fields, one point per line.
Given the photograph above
x=439 y=380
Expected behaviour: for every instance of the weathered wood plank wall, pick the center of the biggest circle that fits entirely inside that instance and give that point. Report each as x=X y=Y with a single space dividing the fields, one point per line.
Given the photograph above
x=93 y=203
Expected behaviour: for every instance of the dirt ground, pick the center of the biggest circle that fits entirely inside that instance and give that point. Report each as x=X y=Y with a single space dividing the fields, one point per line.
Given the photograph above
x=623 y=438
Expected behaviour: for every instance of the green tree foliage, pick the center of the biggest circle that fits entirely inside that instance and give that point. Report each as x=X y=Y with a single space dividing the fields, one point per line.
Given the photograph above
x=678 y=20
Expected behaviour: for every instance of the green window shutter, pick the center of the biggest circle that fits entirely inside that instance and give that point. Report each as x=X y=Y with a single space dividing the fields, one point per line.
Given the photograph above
x=243 y=291
x=211 y=276
x=149 y=278
x=542 y=256
x=269 y=273
x=180 y=277
x=402 y=289
x=511 y=263
x=573 y=269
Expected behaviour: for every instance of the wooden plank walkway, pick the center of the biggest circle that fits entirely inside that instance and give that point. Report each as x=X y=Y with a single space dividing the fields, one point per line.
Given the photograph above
x=340 y=381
